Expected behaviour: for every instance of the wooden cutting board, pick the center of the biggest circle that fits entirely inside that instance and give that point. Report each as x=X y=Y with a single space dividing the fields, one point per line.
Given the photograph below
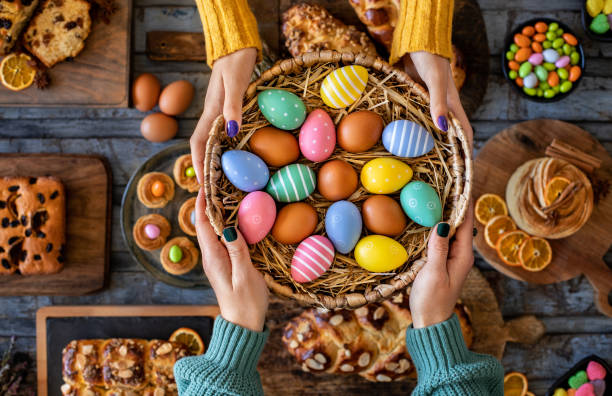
x=97 y=77
x=281 y=375
x=581 y=253
x=87 y=180
x=57 y=326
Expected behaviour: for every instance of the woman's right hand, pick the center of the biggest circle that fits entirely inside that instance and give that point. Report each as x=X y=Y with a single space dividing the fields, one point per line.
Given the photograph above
x=228 y=82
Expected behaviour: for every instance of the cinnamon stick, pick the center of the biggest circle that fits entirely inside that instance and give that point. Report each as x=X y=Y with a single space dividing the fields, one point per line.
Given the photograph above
x=564 y=151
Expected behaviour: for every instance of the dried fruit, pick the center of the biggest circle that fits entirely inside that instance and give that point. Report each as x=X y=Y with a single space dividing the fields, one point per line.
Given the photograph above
x=496 y=227
x=489 y=206
x=509 y=245
x=535 y=254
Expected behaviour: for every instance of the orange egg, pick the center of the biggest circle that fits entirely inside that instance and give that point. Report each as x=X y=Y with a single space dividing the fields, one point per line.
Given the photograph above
x=540 y=37
x=359 y=131
x=528 y=31
x=519 y=81
x=383 y=215
x=522 y=54
x=541 y=27
x=536 y=47
x=158 y=189
x=145 y=92
x=176 y=97
x=158 y=127
x=337 y=180
x=570 y=39
x=522 y=40
x=274 y=146
x=574 y=73
x=553 y=79
x=294 y=223
x=513 y=65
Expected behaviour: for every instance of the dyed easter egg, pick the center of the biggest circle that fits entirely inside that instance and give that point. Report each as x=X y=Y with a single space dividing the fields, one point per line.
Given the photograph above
x=343 y=225
x=344 y=86
x=245 y=170
x=550 y=55
x=283 y=109
x=359 y=131
x=317 y=136
x=292 y=183
x=378 y=253
x=385 y=175
x=337 y=180
x=274 y=146
x=311 y=258
x=294 y=222
x=152 y=231
x=256 y=215
x=421 y=203
x=192 y=217
x=383 y=215
x=405 y=138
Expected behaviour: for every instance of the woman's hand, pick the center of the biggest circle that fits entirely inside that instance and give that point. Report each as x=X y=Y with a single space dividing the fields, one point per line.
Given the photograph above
x=228 y=82
x=240 y=288
x=437 y=286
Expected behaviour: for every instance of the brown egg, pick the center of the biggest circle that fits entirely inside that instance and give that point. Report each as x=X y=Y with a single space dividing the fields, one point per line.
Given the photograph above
x=336 y=180
x=158 y=127
x=276 y=147
x=145 y=92
x=383 y=215
x=294 y=222
x=176 y=97
x=359 y=131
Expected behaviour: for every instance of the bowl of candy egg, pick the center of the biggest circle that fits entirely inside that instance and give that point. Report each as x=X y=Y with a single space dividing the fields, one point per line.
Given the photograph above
x=543 y=60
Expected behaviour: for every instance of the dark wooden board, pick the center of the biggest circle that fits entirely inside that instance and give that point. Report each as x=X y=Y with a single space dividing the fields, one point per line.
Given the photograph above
x=97 y=77
x=57 y=326
x=87 y=180
x=175 y=46
x=581 y=253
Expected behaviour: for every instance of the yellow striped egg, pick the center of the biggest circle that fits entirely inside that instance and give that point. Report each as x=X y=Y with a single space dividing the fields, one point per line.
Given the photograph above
x=344 y=86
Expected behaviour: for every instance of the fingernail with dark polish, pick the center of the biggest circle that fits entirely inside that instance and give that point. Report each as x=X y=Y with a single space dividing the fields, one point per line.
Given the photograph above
x=230 y=234
x=443 y=229
x=442 y=123
x=475 y=232
x=232 y=128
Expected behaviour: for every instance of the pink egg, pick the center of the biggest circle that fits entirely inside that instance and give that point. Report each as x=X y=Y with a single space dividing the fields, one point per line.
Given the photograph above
x=563 y=61
x=586 y=390
x=312 y=258
x=152 y=231
x=317 y=136
x=256 y=216
x=536 y=59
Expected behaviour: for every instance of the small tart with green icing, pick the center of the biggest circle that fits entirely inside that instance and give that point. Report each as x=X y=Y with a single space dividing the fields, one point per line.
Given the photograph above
x=186 y=217
x=184 y=173
x=179 y=255
x=151 y=231
x=155 y=190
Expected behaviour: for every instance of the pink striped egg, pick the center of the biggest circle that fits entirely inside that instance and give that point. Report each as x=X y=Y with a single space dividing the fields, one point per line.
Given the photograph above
x=312 y=258
x=318 y=136
x=256 y=215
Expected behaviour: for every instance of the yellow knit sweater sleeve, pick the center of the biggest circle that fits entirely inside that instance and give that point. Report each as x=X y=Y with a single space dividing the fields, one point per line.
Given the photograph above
x=423 y=25
x=229 y=25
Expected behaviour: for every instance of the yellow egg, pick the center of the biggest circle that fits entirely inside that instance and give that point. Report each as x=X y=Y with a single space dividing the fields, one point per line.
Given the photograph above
x=385 y=175
x=378 y=253
x=344 y=86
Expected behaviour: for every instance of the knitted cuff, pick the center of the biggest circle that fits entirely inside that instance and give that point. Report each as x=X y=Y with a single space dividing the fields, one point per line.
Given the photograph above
x=437 y=347
x=229 y=25
x=423 y=25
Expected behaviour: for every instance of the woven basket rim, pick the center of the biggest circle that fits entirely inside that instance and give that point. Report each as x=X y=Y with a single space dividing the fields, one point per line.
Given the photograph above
x=462 y=169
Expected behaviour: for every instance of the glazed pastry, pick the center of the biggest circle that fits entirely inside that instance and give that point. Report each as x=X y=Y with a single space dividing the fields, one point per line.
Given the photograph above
x=184 y=174
x=179 y=256
x=155 y=190
x=32 y=225
x=530 y=207
x=369 y=341
x=186 y=217
x=162 y=356
x=151 y=231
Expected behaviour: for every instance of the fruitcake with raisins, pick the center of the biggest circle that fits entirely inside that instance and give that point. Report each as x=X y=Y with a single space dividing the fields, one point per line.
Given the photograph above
x=14 y=16
x=59 y=30
x=32 y=225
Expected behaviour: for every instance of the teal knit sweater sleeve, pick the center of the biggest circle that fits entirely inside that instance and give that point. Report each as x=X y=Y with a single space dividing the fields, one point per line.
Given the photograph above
x=227 y=368
x=446 y=367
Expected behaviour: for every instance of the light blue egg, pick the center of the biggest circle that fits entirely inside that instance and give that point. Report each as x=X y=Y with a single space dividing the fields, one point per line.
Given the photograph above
x=421 y=203
x=192 y=217
x=343 y=225
x=284 y=109
x=245 y=170
x=405 y=138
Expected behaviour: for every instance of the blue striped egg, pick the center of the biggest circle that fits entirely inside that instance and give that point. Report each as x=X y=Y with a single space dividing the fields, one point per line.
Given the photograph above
x=343 y=225
x=405 y=138
x=292 y=183
x=245 y=170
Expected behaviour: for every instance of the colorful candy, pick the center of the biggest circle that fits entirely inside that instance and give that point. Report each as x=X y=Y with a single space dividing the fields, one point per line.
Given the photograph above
x=175 y=254
x=152 y=231
x=595 y=371
x=158 y=189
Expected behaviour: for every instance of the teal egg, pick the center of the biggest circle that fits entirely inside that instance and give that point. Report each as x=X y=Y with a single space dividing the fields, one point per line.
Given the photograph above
x=283 y=109
x=292 y=183
x=421 y=203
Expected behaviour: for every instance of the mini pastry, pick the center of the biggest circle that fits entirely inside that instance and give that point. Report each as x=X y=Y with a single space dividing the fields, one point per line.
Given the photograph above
x=151 y=231
x=184 y=174
x=186 y=217
x=155 y=190
x=549 y=198
x=179 y=256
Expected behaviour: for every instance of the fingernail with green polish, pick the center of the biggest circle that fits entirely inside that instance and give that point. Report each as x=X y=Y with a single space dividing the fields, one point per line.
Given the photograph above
x=230 y=234
x=443 y=229
x=475 y=232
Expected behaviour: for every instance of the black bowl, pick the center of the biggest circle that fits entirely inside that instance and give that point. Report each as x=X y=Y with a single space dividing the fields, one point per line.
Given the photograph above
x=582 y=365
x=586 y=22
x=510 y=40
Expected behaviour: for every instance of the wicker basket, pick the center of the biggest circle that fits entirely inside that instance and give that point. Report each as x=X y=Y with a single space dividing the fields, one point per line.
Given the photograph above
x=393 y=95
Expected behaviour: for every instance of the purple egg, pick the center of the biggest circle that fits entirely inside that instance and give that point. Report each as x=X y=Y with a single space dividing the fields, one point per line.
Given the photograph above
x=563 y=61
x=536 y=59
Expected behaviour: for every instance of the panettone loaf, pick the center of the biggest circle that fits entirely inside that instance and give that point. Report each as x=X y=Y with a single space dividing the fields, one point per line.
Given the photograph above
x=14 y=16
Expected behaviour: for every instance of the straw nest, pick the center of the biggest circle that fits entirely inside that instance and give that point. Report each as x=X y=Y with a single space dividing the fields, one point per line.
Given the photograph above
x=393 y=95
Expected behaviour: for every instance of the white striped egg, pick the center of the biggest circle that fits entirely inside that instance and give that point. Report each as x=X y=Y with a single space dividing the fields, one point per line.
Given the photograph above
x=312 y=258
x=344 y=86
x=405 y=138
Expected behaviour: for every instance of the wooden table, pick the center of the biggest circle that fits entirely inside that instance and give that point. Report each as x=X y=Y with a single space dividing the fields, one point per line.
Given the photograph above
x=575 y=328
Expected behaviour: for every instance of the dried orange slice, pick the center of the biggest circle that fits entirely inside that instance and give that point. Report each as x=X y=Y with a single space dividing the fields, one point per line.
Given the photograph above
x=529 y=394
x=489 y=206
x=515 y=384
x=554 y=188
x=535 y=254
x=496 y=227
x=190 y=338
x=508 y=247
x=16 y=72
